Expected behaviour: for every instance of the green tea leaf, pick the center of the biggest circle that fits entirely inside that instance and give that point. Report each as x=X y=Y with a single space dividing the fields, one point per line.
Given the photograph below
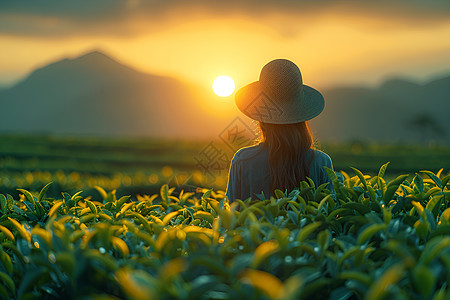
x=25 y=235
x=433 y=248
x=3 y=204
x=389 y=277
x=119 y=244
x=370 y=231
x=434 y=203
x=397 y=181
x=373 y=195
x=266 y=282
x=55 y=208
x=355 y=275
x=279 y=194
x=8 y=282
x=121 y=201
x=334 y=179
x=207 y=194
x=43 y=191
x=326 y=199
x=418 y=181
x=28 y=196
x=307 y=230
x=389 y=194
x=431 y=192
x=382 y=171
x=101 y=191
x=76 y=196
x=445 y=216
x=382 y=186
x=203 y=215
x=91 y=206
x=136 y=284
x=169 y=216
x=6 y=261
x=445 y=180
x=360 y=176
x=424 y=280
x=8 y=233
x=263 y=251
x=323 y=239
x=433 y=177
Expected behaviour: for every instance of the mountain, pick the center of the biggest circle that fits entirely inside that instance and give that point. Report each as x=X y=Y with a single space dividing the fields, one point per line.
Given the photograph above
x=396 y=111
x=96 y=95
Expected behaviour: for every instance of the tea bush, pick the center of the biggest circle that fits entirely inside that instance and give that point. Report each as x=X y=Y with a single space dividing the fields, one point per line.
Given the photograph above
x=371 y=240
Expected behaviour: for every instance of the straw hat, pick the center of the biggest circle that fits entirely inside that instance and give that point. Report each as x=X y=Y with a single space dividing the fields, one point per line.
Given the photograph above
x=279 y=97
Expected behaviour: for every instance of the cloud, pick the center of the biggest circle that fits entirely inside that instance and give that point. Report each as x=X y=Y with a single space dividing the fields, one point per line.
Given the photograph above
x=54 y=18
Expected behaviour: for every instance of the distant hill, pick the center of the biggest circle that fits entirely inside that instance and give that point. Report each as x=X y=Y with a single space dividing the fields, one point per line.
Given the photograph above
x=96 y=95
x=396 y=111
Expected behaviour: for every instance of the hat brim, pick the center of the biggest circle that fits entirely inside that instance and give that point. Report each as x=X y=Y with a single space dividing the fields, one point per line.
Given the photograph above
x=257 y=105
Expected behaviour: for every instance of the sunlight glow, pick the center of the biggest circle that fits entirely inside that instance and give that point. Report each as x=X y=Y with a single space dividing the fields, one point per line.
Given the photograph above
x=223 y=86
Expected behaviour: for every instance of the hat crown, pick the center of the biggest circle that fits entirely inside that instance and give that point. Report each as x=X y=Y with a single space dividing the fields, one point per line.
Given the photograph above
x=281 y=78
x=279 y=96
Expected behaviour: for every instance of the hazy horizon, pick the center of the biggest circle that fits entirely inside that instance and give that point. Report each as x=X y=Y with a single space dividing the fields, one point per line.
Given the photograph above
x=374 y=84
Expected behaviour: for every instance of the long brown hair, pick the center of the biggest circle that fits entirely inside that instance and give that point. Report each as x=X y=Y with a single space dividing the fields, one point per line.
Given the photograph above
x=288 y=145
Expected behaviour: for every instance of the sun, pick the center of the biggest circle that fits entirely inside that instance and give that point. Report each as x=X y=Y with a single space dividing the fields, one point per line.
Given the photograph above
x=223 y=86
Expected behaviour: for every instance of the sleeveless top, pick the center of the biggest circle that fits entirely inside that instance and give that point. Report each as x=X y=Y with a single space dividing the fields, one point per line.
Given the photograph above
x=249 y=172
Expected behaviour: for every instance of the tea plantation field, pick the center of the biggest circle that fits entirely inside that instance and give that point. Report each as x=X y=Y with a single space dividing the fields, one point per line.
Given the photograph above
x=140 y=166
x=375 y=239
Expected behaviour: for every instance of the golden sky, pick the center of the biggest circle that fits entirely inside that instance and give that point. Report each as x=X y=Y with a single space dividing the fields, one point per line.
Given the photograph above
x=334 y=42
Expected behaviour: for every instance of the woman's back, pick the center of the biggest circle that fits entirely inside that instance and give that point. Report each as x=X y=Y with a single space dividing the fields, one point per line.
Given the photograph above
x=249 y=174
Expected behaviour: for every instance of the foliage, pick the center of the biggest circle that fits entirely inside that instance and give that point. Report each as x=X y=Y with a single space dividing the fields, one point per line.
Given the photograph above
x=373 y=239
x=141 y=165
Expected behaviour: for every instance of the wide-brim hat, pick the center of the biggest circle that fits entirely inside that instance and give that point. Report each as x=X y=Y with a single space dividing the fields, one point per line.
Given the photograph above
x=279 y=96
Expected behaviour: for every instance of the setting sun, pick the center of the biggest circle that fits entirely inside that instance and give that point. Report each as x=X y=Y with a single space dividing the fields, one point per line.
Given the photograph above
x=223 y=86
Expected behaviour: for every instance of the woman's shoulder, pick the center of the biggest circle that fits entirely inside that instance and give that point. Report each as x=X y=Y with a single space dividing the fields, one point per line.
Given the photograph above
x=321 y=157
x=248 y=152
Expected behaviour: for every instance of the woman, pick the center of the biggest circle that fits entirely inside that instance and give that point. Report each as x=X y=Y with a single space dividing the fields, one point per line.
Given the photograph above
x=281 y=104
